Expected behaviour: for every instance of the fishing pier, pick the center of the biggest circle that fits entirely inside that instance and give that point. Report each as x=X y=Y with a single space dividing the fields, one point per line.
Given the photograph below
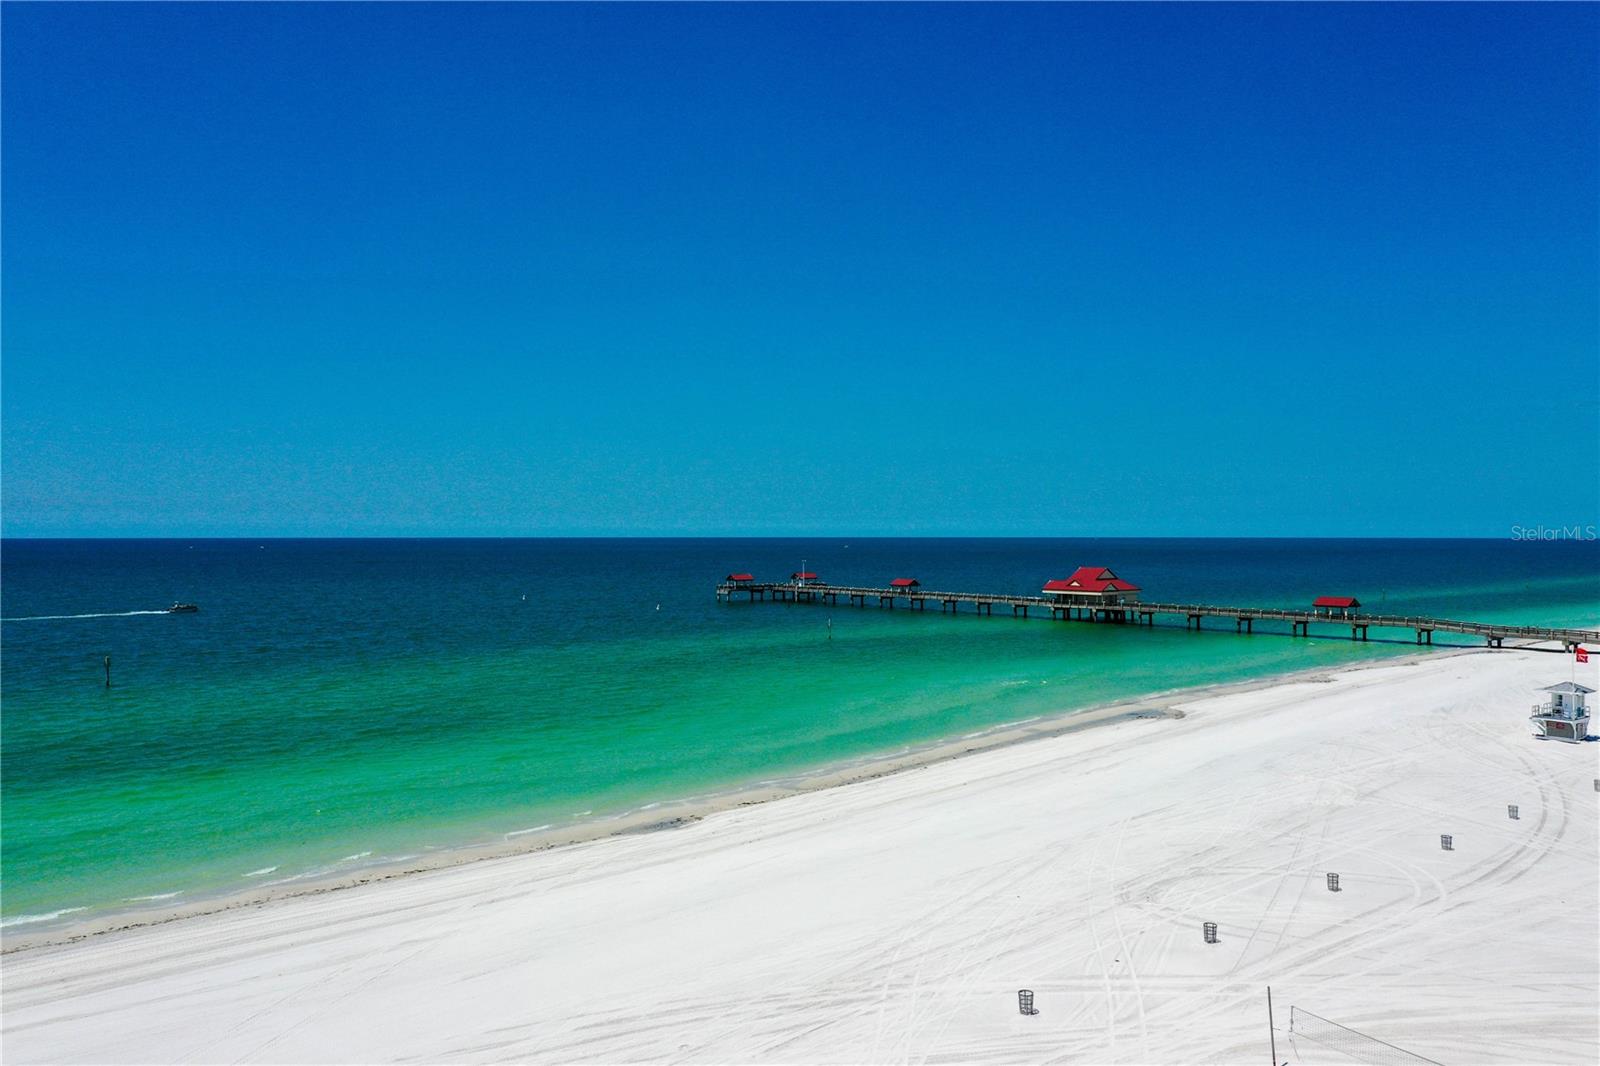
x=1094 y=594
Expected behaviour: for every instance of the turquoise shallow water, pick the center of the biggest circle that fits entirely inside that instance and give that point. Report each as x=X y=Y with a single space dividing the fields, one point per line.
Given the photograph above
x=337 y=703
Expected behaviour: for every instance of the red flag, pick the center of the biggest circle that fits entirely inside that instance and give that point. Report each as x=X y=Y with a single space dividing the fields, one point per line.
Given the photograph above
x=1582 y=653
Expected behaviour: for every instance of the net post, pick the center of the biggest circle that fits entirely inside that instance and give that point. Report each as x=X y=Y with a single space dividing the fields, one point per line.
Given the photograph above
x=1272 y=1032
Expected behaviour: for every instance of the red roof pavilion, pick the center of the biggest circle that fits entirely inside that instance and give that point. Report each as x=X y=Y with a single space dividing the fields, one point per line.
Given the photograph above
x=741 y=577
x=1345 y=602
x=905 y=583
x=1091 y=579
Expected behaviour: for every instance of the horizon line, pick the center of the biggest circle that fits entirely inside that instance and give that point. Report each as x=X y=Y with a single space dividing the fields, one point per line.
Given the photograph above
x=1587 y=535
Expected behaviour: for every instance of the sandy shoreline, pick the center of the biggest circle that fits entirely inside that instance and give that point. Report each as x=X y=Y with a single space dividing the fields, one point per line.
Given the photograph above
x=672 y=814
x=894 y=919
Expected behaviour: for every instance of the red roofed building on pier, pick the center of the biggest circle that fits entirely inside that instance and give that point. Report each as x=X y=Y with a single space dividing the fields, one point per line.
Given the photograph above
x=1336 y=606
x=1093 y=586
x=801 y=577
x=741 y=579
x=905 y=583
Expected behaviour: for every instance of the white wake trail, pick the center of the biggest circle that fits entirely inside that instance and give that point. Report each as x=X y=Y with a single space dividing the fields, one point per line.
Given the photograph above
x=57 y=617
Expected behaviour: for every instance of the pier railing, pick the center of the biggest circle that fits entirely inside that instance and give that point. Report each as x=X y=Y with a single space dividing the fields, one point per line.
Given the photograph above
x=1145 y=612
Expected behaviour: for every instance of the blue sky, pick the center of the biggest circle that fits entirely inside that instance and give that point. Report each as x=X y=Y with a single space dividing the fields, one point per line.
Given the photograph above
x=1032 y=270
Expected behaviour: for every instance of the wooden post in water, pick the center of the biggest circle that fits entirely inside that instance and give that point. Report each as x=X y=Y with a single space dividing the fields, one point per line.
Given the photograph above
x=108 y=671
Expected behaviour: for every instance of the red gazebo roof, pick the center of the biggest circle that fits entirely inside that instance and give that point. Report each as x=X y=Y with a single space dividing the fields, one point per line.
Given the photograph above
x=905 y=583
x=1336 y=601
x=1091 y=579
x=803 y=575
x=741 y=577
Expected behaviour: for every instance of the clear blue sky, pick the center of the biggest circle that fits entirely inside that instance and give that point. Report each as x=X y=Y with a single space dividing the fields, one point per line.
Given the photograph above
x=1035 y=270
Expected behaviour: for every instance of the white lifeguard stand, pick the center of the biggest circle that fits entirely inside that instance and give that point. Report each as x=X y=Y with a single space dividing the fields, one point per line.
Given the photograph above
x=1564 y=717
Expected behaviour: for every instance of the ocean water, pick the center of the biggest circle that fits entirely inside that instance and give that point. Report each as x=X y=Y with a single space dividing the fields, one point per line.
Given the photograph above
x=338 y=703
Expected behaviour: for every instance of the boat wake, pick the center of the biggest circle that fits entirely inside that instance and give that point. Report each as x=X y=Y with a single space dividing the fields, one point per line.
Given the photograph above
x=59 y=617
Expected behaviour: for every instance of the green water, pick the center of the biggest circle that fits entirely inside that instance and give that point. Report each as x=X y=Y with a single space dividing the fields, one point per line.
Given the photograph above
x=338 y=706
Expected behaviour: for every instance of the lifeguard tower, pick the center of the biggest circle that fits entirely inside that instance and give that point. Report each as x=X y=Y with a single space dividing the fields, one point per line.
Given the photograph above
x=1564 y=717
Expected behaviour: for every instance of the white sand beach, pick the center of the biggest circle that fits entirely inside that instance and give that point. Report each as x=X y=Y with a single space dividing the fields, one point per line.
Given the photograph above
x=894 y=920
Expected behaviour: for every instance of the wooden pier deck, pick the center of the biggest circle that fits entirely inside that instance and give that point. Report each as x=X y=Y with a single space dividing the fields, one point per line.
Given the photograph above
x=1244 y=618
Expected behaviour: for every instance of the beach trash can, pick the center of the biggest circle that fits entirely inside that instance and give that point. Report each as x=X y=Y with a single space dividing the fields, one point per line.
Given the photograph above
x=1511 y=812
x=1209 y=929
x=1333 y=882
x=1025 y=1001
x=1447 y=842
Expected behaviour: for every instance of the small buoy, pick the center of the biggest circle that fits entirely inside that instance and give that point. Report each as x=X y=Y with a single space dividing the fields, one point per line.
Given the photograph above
x=524 y=597
x=658 y=607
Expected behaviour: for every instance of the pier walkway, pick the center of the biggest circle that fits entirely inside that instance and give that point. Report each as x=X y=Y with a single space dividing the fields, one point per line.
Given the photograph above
x=1244 y=618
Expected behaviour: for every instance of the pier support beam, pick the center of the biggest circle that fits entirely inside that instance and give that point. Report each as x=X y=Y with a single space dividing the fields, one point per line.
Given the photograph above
x=1362 y=630
x=1243 y=625
x=1192 y=620
x=1424 y=636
